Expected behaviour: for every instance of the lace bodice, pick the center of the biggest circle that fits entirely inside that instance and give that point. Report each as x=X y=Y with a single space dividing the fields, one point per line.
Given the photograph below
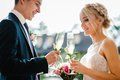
x=94 y=60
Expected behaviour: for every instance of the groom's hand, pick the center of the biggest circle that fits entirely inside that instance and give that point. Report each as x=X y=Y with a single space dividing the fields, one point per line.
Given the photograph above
x=52 y=56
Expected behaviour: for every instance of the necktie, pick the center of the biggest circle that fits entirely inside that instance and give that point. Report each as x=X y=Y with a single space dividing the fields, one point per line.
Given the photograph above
x=28 y=38
x=26 y=26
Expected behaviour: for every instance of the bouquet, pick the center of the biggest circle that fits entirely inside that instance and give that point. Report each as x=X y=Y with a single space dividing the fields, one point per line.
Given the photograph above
x=64 y=71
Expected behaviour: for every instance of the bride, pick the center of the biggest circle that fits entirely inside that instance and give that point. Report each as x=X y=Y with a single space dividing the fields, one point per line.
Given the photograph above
x=101 y=61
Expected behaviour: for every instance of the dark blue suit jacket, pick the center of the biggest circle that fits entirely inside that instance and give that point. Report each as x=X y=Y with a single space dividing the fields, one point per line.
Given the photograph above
x=16 y=58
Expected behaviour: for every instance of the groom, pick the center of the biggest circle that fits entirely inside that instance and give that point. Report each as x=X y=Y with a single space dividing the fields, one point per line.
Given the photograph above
x=18 y=59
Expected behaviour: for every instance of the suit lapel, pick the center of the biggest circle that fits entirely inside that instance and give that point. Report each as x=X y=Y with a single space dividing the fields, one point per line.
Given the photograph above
x=15 y=19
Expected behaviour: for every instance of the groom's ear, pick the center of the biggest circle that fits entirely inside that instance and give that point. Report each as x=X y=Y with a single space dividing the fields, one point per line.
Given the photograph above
x=21 y=2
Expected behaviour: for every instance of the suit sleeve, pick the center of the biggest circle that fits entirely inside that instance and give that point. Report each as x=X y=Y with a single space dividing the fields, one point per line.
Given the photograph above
x=9 y=63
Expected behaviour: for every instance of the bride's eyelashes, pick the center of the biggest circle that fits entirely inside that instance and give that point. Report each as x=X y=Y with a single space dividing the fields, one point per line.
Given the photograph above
x=86 y=20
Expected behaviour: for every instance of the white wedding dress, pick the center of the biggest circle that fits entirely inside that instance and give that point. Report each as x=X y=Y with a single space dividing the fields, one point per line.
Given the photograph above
x=94 y=60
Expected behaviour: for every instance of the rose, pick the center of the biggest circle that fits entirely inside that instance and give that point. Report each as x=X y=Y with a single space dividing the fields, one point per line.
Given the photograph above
x=65 y=72
x=66 y=69
x=62 y=68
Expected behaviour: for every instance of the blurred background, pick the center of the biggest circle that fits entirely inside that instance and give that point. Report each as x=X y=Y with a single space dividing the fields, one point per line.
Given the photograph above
x=61 y=17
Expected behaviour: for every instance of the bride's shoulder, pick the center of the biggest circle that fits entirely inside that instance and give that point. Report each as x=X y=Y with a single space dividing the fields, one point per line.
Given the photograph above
x=108 y=42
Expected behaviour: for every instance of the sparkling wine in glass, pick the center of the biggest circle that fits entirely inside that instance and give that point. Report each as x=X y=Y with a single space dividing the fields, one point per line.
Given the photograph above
x=70 y=43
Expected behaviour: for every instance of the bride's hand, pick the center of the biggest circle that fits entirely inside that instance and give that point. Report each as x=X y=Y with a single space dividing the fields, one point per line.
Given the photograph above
x=77 y=66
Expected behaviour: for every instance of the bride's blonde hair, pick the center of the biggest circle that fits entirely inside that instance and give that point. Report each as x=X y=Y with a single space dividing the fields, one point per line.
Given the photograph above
x=100 y=10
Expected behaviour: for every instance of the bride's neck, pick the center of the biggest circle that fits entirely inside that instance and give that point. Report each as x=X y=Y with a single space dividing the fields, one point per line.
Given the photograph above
x=97 y=37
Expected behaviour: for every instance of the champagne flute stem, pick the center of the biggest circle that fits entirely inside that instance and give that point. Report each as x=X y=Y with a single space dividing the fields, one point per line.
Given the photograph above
x=61 y=58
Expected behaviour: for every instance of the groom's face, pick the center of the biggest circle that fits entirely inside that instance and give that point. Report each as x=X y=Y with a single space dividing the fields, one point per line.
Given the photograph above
x=31 y=7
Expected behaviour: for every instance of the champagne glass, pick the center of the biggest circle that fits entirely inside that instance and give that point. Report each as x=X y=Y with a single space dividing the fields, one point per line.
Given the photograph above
x=70 y=44
x=58 y=41
x=57 y=46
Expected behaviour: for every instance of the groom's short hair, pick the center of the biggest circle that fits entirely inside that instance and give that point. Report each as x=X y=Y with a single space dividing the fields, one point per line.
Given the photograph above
x=16 y=1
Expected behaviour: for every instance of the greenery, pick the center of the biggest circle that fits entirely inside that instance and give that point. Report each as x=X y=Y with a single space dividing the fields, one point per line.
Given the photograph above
x=75 y=55
x=68 y=77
